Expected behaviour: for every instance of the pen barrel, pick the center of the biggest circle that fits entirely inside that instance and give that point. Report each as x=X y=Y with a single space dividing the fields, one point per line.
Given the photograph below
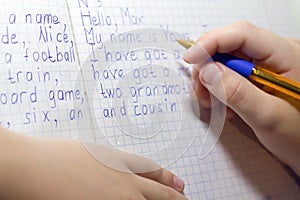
x=277 y=79
x=277 y=85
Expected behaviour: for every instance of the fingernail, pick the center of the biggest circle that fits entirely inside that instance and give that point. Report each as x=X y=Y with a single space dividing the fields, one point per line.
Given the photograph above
x=193 y=54
x=178 y=183
x=211 y=73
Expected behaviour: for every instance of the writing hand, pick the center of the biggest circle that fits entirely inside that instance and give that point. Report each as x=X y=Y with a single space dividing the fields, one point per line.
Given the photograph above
x=274 y=121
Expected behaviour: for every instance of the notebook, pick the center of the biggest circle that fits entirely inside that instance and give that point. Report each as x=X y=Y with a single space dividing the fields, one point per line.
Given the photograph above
x=111 y=73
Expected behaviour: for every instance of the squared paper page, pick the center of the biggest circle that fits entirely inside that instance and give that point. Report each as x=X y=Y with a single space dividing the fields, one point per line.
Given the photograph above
x=39 y=67
x=238 y=167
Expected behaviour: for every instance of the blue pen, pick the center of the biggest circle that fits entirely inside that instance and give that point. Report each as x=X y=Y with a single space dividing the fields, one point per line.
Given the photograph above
x=281 y=86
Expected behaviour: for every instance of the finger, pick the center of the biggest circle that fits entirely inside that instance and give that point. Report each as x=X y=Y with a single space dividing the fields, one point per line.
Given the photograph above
x=203 y=96
x=132 y=163
x=199 y=92
x=121 y=160
x=155 y=191
x=255 y=107
x=151 y=170
x=252 y=41
x=165 y=177
x=230 y=114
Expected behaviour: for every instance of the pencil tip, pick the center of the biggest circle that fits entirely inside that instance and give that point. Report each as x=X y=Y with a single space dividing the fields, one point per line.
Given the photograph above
x=185 y=43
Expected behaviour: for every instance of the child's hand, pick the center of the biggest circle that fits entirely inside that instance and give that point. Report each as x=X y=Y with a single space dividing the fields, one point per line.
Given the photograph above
x=34 y=168
x=275 y=122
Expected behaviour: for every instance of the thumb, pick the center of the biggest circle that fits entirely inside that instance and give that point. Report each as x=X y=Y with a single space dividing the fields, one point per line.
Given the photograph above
x=238 y=93
x=132 y=163
x=149 y=169
x=165 y=177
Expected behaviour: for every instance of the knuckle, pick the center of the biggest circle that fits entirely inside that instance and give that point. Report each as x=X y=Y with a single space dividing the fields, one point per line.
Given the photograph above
x=234 y=92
